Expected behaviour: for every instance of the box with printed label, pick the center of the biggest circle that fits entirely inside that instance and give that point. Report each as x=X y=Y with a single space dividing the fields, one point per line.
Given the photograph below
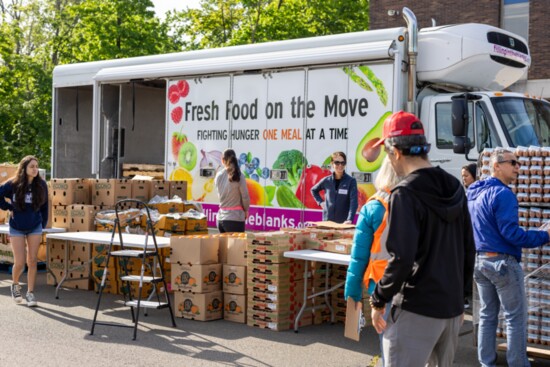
x=6 y=253
x=171 y=222
x=81 y=217
x=159 y=188
x=68 y=191
x=234 y=308
x=141 y=189
x=60 y=216
x=339 y=246
x=196 y=278
x=168 y=207
x=178 y=188
x=194 y=249
x=234 y=279
x=275 y=242
x=110 y=191
x=198 y=306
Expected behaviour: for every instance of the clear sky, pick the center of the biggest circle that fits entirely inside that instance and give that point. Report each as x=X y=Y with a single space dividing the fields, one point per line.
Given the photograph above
x=162 y=6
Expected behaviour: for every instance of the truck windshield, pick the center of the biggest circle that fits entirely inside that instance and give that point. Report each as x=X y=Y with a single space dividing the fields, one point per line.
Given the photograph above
x=525 y=121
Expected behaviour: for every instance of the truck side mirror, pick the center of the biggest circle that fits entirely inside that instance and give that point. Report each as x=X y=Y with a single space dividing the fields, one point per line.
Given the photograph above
x=462 y=145
x=459 y=121
x=459 y=111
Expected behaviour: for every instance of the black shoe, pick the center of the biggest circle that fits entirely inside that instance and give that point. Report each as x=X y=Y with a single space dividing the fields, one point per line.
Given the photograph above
x=466 y=304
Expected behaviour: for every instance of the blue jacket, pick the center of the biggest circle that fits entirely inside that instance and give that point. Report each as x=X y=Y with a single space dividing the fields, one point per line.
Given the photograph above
x=27 y=219
x=370 y=218
x=494 y=211
x=339 y=206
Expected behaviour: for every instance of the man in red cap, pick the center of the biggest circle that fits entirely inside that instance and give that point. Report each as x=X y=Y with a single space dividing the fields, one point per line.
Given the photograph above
x=431 y=245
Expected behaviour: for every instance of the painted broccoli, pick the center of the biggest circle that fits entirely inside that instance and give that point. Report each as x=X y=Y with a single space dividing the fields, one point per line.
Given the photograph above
x=294 y=162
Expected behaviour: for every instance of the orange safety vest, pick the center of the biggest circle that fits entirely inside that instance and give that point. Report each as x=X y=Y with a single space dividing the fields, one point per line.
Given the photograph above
x=379 y=255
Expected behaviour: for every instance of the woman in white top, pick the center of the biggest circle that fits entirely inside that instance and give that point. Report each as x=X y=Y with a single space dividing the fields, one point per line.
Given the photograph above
x=233 y=194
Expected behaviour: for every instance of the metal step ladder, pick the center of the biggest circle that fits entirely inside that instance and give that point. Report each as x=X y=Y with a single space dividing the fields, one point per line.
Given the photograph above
x=159 y=298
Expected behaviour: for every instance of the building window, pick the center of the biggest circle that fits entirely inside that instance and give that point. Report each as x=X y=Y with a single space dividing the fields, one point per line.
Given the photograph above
x=515 y=17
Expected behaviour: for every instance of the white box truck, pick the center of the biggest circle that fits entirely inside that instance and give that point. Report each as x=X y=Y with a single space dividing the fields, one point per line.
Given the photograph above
x=285 y=106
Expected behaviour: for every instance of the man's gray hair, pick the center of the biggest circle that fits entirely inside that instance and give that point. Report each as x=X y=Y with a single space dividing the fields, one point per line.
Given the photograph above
x=497 y=156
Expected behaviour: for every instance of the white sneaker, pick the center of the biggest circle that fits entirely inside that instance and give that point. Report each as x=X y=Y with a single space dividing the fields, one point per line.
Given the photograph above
x=16 y=293
x=31 y=300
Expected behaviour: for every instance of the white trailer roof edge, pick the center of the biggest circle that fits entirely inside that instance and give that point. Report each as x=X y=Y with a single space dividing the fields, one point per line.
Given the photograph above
x=83 y=73
x=281 y=59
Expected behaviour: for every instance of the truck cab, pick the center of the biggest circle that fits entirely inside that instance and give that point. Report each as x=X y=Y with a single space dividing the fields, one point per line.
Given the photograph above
x=495 y=119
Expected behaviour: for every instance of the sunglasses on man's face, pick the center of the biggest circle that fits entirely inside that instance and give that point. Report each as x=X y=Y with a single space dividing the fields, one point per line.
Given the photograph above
x=339 y=163
x=513 y=162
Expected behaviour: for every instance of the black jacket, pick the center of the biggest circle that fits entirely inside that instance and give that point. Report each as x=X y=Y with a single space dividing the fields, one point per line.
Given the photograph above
x=341 y=204
x=431 y=244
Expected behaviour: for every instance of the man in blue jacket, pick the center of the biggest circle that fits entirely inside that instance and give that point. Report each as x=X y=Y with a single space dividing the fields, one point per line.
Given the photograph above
x=499 y=240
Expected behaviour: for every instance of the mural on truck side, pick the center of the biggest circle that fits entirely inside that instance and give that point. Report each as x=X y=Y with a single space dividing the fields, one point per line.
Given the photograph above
x=273 y=125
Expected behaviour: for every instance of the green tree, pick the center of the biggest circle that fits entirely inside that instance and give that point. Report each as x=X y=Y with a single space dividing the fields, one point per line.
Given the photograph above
x=221 y=23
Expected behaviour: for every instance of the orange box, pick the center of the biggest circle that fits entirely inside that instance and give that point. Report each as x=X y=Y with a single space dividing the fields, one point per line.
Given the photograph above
x=198 y=306
x=234 y=279
x=196 y=278
x=234 y=307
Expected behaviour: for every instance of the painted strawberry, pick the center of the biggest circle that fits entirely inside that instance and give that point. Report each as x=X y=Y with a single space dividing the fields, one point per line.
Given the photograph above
x=173 y=94
x=183 y=88
x=178 y=139
x=177 y=114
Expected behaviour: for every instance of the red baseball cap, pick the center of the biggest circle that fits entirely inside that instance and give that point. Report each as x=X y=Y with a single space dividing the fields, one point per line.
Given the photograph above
x=401 y=124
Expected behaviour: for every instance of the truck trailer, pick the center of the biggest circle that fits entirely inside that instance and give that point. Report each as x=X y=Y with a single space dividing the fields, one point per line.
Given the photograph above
x=285 y=106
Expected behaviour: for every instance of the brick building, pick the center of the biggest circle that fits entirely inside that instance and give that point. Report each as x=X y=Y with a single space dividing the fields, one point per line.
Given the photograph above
x=528 y=18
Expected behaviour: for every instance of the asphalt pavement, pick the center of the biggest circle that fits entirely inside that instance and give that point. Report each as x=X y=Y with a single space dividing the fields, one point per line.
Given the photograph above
x=57 y=333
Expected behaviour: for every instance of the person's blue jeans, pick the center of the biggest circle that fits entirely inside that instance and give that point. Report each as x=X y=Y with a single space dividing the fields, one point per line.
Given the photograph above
x=500 y=281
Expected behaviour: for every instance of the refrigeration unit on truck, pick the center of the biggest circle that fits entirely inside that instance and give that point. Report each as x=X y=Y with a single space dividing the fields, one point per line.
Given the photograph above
x=285 y=106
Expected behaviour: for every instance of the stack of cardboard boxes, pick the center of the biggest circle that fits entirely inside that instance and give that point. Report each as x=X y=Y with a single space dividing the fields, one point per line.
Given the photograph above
x=196 y=277
x=78 y=263
x=234 y=277
x=275 y=283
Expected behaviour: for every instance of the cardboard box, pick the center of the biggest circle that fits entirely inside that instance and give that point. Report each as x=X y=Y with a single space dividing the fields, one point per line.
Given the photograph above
x=339 y=246
x=178 y=188
x=159 y=188
x=168 y=207
x=172 y=223
x=82 y=217
x=234 y=279
x=194 y=249
x=6 y=253
x=68 y=191
x=7 y=171
x=234 y=307
x=196 y=278
x=110 y=191
x=56 y=249
x=236 y=251
x=198 y=306
x=80 y=251
x=60 y=216
x=141 y=189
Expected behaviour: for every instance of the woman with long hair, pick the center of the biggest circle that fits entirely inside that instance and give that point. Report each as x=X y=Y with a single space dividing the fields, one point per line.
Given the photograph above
x=233 y=193
x=27 y=193
x=369 y=256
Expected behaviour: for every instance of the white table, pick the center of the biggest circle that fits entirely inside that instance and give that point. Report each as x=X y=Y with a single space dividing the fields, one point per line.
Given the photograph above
x=320 y=256
x=104 y=238
x=5 y=229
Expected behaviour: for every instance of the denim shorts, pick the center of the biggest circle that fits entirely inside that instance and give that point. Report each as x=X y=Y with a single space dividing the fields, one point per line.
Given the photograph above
x=17 y=233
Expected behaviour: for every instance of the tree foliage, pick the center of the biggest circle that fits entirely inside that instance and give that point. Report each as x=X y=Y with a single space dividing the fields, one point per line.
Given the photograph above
x=232 y=22
x=37 y=35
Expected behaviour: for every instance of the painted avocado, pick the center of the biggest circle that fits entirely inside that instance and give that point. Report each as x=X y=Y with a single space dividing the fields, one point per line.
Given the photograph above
x=366 y=158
